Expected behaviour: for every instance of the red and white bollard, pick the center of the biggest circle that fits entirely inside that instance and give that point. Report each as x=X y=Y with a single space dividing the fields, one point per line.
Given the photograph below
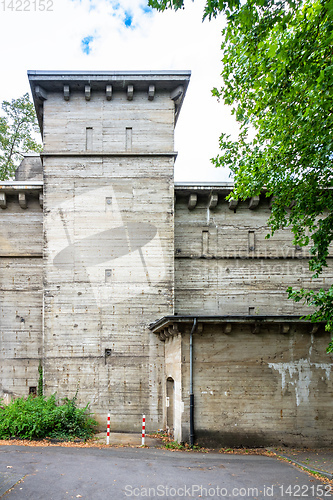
x=143 y=430
x=108 y=430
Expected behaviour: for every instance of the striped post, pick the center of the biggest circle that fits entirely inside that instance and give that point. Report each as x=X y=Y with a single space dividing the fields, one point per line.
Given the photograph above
x=108 y=430
x=143 y=430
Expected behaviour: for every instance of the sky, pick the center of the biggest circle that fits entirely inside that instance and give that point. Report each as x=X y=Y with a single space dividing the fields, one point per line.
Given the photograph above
x=120 y=35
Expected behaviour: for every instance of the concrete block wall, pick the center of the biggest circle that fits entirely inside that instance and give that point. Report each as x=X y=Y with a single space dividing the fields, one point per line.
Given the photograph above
x=225 y=265
x=262 y=389
x=21 y=294
x=114 y=126
x=108 y=273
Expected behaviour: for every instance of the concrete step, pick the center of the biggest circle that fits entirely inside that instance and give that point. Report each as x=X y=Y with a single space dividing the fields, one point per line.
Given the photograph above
x=128 y=439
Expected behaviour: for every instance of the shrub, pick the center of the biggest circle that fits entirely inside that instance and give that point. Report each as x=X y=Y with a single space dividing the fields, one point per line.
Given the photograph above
x=39 y=417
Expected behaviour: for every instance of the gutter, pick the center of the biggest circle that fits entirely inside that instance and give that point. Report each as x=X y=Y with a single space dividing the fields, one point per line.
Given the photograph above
x=194 y=327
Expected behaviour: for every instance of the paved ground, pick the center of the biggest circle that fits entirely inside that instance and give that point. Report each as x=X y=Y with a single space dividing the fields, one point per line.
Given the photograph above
x=320 y=460
x=57 y=473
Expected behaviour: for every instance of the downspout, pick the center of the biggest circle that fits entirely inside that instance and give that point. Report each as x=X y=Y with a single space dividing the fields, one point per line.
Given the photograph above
x=191 y=385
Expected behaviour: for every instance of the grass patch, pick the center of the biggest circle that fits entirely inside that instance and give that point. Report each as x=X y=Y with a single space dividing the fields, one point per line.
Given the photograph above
x=174 y=445
x=40 y=417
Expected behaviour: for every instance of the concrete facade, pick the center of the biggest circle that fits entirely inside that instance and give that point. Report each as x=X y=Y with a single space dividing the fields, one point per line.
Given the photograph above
x=107 y=267
x=21 y=264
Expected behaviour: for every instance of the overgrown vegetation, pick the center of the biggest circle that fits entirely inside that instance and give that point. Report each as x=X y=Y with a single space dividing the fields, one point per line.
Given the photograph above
x=40 y=417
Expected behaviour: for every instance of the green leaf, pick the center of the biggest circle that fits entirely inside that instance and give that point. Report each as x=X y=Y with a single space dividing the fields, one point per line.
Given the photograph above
x=17 y=130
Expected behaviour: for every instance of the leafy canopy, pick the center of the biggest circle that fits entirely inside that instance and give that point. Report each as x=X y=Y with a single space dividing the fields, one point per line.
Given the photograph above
x=17 y=127
x=212 y=7
x=278 y=77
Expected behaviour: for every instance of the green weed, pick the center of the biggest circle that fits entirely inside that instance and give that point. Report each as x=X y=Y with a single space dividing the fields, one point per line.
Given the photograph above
x=40 y=417
x=174 y=445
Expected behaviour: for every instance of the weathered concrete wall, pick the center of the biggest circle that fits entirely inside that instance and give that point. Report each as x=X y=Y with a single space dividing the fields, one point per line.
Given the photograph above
x=119 y=125
x=260 y=389
x=252 y=386
x=173 y=370
x=224 y=264
x=30 y=168
x=109 y=254
x=21 y=295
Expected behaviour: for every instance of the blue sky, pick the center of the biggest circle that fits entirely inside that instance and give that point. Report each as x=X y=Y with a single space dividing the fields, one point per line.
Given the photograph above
x=127 y=35
x=128 y=19
x=86 y=44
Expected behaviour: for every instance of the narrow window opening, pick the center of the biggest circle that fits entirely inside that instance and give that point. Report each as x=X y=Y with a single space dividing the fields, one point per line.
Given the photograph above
x=205 y=242
x=107 y=354
x=128 y=138
x=251 y=241
x=89 y=138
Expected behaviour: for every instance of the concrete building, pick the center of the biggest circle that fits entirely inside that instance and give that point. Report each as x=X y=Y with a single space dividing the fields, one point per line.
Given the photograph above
x=145 y=296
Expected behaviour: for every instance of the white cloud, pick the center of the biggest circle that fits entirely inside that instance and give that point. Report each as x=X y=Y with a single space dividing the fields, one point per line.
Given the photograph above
x=125 y=35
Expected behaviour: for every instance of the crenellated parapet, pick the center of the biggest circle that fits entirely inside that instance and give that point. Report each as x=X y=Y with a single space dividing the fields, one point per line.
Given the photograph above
x=94 y=113
x=25 y=194
x=211 y=195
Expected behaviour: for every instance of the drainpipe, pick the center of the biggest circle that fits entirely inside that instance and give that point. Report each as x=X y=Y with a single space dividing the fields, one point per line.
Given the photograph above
x=191 y=385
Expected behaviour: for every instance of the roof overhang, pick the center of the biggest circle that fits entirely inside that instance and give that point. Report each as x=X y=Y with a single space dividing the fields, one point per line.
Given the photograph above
x=170 y=325
x=21 y=186
x=43 y=82
x=21 y=190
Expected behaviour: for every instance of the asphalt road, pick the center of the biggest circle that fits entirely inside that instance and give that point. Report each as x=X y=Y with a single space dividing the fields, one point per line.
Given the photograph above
x=59 y=473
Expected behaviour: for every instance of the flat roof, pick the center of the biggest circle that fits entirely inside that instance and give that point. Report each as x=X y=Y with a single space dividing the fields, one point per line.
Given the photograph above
x=29 y=186
x=200 y=185
x=108 y=73
x=186 y=188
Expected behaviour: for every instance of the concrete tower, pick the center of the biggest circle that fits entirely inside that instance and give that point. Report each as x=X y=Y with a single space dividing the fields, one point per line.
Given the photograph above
x=108 y=164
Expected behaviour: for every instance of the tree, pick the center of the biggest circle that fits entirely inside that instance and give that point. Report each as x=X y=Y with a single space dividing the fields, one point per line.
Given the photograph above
x=16 y=134
x=278 y=77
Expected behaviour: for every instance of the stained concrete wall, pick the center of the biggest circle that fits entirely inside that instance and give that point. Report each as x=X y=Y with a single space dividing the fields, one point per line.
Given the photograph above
x=259 y=389
x=21 y=294
x=173 y=370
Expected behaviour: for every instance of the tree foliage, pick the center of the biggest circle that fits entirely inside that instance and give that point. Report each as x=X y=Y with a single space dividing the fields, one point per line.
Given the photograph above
x=212 y=7
x=278 y=77
x=17 y=127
